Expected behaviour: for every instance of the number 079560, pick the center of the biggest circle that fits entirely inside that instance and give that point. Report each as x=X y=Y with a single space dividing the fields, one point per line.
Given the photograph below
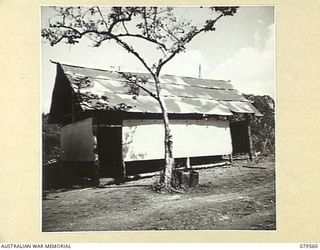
x=308 y=245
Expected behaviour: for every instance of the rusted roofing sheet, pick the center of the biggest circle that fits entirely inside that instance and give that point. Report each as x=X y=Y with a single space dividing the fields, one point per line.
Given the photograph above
x=102 y=89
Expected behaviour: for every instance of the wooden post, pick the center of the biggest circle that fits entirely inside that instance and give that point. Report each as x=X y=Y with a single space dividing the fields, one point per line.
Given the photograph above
x=73 y=117
x=247 y=117
x=231 y=158
x=188 y=166
x=124 y=171
x=96 y=163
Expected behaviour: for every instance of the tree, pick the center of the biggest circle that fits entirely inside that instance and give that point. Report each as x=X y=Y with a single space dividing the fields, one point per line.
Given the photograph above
x=263 y=128
x=50 y=140
x=158 y=26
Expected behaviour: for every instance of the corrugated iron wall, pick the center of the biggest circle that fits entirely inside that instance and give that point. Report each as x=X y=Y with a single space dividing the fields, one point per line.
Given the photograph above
x=77 y=141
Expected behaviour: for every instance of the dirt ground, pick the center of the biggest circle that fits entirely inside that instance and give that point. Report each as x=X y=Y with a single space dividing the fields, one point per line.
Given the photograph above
x=238 y=197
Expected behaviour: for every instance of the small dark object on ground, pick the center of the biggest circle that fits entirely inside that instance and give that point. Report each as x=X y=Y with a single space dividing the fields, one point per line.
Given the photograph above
x=189 y=178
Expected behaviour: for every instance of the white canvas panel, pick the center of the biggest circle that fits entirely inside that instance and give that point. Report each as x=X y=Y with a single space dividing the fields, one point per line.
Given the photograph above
x=144 y=139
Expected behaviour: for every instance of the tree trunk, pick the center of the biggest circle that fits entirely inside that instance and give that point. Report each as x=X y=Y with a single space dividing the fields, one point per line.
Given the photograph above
x=168 y=142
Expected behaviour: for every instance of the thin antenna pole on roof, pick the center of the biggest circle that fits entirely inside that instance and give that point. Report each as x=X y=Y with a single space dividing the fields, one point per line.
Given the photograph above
x=199 y=70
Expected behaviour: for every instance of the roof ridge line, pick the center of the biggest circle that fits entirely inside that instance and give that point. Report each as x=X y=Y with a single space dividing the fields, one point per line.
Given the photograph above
x=201 y=86
x=83 y=67
x=178 y=84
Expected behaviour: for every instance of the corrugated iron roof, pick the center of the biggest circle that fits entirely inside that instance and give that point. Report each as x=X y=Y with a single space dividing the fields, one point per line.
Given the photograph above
x=103 y=89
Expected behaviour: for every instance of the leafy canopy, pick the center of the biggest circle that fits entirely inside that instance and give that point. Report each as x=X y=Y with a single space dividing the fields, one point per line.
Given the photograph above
x=163 y=27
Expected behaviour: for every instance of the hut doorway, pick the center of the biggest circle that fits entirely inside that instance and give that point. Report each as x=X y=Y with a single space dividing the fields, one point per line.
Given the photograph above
x=240 y=137
x=109 y=150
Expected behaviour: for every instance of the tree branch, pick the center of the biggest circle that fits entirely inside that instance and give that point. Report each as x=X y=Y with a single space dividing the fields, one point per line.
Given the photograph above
x=133 y=81
x=116 y=21
x=144 y=38
x=145 y=23
x=103 y=20
x=188 y=38
x=128 y=34
x=125 y=28
x=131 y=50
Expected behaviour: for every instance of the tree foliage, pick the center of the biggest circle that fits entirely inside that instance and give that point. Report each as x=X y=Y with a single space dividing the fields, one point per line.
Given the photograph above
x=50 y=140
x=263 y=128
x=159 y=26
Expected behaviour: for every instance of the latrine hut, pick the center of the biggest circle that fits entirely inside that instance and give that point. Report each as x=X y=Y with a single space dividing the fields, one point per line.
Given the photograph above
x=106 y=118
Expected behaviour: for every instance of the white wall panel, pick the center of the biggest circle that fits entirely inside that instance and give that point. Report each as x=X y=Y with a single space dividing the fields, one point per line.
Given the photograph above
x=144 y=139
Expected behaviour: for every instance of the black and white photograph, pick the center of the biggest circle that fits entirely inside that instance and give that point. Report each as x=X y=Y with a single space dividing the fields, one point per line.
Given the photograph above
x=158 y=118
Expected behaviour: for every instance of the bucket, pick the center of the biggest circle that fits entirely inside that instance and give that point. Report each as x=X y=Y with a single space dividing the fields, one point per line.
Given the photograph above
x=188 y=178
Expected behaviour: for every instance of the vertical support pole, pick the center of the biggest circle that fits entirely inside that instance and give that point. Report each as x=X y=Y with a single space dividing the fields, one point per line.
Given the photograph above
x=73 y=118
x=96 y=163
x=124 y=171
x=231 y=158
x=188 y=166
x=247 y=117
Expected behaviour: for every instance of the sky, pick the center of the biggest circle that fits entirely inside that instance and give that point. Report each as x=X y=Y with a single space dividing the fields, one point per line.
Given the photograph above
x=242 y=49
